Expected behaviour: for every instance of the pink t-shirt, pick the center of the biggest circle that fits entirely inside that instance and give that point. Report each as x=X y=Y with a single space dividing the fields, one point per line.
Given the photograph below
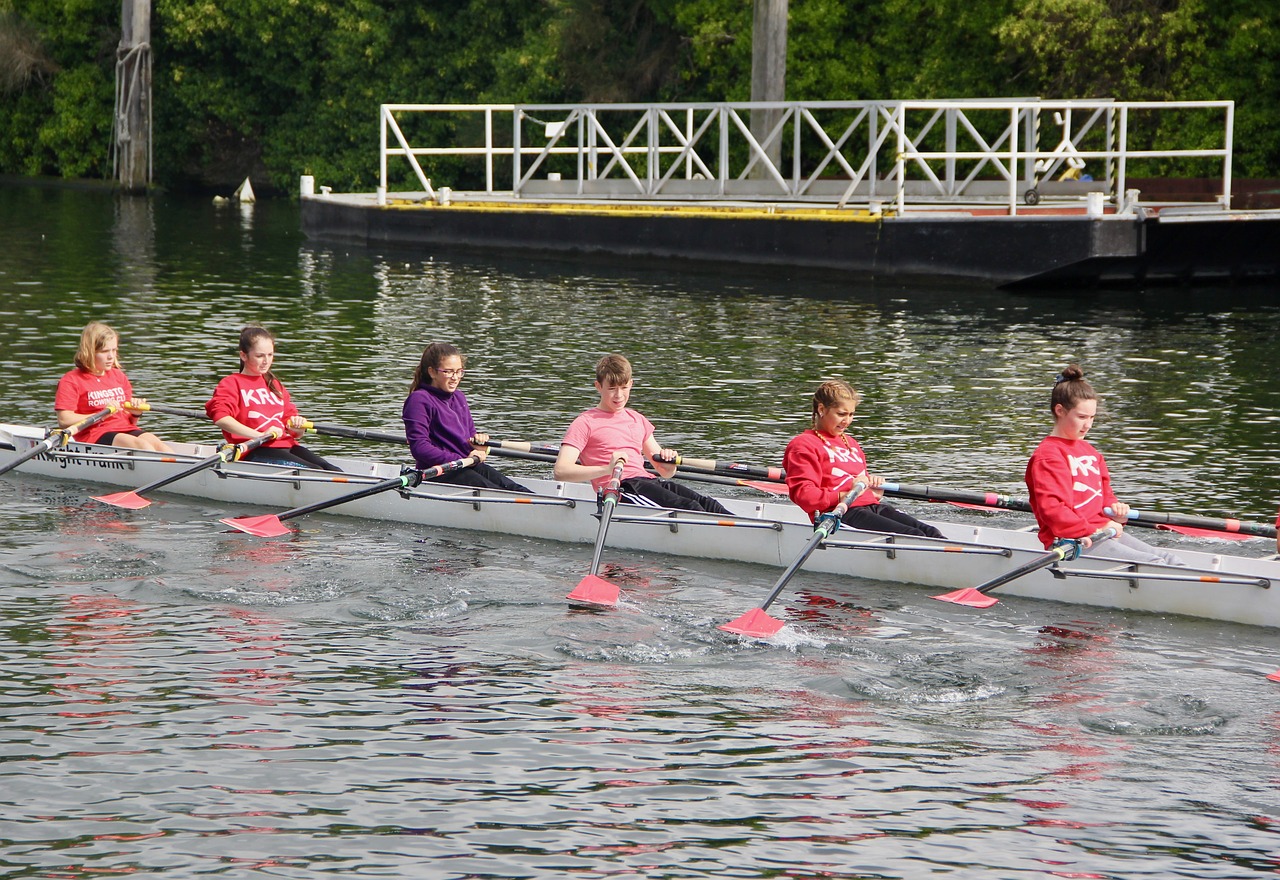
x=597 y=435
x=83 y=392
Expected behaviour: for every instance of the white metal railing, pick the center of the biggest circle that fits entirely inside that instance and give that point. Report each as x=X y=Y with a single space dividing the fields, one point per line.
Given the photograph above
x=820 y=152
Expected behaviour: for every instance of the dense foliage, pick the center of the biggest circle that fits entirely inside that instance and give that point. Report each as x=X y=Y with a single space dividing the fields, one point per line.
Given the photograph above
x=277 y=88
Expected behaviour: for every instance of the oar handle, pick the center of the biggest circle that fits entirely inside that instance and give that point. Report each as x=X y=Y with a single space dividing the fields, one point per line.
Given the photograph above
x=522 y=446
x=237 y=451
x=448 y=467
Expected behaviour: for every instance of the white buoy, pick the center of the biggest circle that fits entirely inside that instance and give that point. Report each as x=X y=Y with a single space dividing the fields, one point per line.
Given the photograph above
x=244 y=192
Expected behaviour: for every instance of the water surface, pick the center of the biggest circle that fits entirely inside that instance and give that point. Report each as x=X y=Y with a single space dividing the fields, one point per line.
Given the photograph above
x=356 y=699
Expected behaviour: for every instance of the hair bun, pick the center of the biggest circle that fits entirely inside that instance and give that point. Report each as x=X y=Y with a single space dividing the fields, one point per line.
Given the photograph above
x=1070 y=373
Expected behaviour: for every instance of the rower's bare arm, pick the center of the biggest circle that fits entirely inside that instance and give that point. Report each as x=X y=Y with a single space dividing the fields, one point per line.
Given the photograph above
x=568 y=470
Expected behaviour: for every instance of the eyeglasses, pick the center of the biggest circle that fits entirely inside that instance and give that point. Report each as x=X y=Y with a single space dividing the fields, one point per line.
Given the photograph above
x=451 y=374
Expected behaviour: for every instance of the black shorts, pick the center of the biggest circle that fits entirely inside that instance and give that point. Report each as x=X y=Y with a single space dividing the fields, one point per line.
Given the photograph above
x=110 y=437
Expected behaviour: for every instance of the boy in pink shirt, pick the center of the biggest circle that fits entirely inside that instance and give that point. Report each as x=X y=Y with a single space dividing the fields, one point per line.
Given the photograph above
x=610 y=431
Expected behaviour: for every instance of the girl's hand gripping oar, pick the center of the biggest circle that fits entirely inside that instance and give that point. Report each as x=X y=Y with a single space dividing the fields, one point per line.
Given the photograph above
x=60 y=437
x=976 y=597
x=227 y=452
x=271 y=525
x=593 y=589
x=756 y=623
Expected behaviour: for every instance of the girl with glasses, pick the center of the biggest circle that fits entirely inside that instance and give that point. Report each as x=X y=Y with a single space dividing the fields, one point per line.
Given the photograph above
x=438 y=422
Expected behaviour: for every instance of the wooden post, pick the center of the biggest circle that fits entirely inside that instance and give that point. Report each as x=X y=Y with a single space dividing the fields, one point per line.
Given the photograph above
x=132 y=123
x=768 y=70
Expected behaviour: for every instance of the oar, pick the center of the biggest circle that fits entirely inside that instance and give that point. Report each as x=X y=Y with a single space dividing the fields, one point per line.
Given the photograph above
x=60 y=437
x=593 y=589
x=271 y=525
x=514 y=449
x=332 y=430
x=1190 y=526
x=976 y=597
x=729 y=468
x=1230 y=526
x=957 y=496
x=757 y=623
x=227 y=452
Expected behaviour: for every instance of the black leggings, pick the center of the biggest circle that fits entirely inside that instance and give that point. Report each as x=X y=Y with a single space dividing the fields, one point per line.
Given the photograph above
x=480 y=476
x=887 y=518
x=668 y=493
x=294 y=455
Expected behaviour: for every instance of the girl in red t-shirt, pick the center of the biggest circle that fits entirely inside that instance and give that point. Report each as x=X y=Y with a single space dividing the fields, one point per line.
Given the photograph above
x=97 y=381
x=824 y=462
x=254 y=402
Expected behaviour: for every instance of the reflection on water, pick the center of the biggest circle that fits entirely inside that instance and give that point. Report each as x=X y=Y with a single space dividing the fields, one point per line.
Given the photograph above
x=179 y=699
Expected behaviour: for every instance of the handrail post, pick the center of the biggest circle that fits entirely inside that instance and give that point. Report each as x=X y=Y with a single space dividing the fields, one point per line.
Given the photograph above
x=1123 y=165
x=1013 y=161
x=382 y=146
x=1228 y=146
x=516 y=116
x=488 y=150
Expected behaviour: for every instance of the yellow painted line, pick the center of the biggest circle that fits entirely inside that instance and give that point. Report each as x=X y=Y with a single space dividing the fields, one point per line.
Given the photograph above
x=599 y=209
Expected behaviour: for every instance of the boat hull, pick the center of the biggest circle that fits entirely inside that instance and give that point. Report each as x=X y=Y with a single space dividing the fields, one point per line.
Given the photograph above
x=766 y=533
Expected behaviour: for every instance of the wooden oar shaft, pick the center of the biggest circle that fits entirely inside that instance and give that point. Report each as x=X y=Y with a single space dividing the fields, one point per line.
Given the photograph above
x=60 y=437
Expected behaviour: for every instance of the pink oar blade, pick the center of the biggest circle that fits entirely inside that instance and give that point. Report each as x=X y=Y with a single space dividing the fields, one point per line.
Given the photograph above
x=756 y=624
x=763 y=486
x=131 y=500
x=265 y=526
x=1275 y=676
x=968 y=596
x=595 y=591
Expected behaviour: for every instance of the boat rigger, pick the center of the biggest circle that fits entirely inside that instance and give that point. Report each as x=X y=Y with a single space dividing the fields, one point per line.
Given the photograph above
x=1011 y=192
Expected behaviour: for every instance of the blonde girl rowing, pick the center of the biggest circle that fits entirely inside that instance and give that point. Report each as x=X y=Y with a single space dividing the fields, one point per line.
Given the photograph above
x=1069 y=482
x=253 y=402
x=96 y=381
x=824 y=462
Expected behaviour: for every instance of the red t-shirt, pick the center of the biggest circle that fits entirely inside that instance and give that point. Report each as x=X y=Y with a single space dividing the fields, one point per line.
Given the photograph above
x=249 y=401
x=821 y=469
x=1069 y=485
x=86 y=393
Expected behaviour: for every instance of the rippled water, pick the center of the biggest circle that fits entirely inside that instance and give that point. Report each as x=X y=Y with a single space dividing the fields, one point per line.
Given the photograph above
x=176 y=700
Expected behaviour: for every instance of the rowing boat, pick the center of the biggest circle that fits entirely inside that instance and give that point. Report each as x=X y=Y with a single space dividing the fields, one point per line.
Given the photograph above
x=1215 y=586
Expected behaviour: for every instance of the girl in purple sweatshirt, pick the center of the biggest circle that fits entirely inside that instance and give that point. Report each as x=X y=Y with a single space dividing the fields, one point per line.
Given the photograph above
x=438 y=423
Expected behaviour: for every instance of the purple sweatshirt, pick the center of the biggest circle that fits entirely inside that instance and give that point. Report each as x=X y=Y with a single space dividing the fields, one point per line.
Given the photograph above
x=438 y=424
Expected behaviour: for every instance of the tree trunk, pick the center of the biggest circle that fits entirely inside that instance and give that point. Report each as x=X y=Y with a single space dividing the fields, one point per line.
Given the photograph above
x=768 y=71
